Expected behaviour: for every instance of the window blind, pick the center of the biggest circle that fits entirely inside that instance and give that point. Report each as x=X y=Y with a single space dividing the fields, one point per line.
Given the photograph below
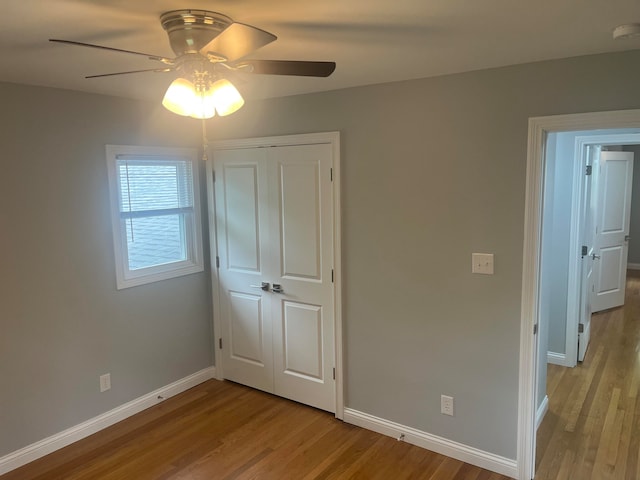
x=154 y=186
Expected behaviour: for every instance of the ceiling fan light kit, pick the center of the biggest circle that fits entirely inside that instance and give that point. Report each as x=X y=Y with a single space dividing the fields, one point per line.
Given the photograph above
x=629 y=30
x=208 y=45
x=190 y=30
x=202 y=100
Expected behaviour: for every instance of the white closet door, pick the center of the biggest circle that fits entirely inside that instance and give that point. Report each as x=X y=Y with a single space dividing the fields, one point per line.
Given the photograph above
x=302 y=314
x=274 y=211
x=242 y=224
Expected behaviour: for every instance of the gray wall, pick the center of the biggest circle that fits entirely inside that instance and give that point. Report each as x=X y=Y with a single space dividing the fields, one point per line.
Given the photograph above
x=434 y=170
x=546 y=268
x=62 y=321
x=556 y=235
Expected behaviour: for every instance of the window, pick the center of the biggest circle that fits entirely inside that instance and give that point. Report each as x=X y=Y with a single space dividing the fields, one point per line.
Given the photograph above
x=155 y=213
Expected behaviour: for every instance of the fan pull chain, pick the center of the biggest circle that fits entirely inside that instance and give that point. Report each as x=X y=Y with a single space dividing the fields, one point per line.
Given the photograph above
x=205 y=142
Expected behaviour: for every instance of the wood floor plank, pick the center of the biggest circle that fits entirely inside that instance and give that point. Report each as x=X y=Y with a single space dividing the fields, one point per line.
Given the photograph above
x=224 y=431
x=592 y=429
x=574 y=408
x=564 y=472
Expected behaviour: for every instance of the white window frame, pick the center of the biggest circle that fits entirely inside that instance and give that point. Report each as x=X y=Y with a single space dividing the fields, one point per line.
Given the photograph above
x=125 y=277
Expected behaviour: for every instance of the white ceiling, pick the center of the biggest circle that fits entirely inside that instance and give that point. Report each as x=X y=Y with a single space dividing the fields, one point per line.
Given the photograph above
x=372 y=41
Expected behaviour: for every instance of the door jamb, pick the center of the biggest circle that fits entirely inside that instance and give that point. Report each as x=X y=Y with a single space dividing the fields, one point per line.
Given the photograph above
x=539 y=127
x=332 y=138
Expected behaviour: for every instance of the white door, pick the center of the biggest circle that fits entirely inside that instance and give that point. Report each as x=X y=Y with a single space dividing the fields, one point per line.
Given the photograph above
x=589 y=234
x=242 y=221
x=612 y=229
x=302 y=299
x=274 y=211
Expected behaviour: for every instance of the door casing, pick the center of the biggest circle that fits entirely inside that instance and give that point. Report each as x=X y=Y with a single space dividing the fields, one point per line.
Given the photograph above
x=333 y=139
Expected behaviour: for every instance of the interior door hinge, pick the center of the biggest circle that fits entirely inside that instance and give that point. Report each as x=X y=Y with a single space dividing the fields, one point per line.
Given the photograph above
x=331 y=170
x=213 y=176
x=220 y=343
x=581 y=328
x=217 y=262
x=589 y=170
x=334 y=373
x=332 y=275
x=535 y=329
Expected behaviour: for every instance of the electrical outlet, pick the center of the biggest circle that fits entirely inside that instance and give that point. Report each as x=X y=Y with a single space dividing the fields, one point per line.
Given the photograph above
x=105 y=382
x=446 y=405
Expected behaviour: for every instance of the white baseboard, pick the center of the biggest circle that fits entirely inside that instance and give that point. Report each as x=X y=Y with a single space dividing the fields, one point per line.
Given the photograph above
x=557 y=359
x=542 y=411
x=633 y=266
x=459 y=451
x=55 y=442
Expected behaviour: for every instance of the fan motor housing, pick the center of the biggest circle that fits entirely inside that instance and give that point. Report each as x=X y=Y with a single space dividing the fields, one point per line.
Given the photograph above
x=190 y=30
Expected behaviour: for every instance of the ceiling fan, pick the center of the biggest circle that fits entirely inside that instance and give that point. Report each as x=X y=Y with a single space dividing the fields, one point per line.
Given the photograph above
x=210 y=48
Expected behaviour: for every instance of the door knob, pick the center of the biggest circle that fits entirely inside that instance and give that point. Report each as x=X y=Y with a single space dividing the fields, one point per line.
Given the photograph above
x=627 y=238
x=594 y=256
x=277 y=288
x=264 y=286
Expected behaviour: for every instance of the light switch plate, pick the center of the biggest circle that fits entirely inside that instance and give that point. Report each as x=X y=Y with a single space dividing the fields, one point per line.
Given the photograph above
x=482 y=263
x=446 y=405
x=105 y=382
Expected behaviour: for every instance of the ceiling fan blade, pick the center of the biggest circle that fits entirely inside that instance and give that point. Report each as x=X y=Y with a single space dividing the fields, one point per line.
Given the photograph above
x=160 y=70
x=237 y=41
x=82 y=44
x=287 y=67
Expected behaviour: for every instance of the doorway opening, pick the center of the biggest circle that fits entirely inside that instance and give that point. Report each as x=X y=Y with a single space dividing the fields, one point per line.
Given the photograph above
x=531 y=362
x=574 y=208
x=584 y=256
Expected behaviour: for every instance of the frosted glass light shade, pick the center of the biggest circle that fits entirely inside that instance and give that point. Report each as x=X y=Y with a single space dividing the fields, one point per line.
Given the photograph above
x=203 y=106
x=180 y=97
x=183 y=98
x=226 y=97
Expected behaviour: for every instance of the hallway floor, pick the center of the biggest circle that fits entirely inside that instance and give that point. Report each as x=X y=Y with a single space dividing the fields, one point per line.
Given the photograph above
x=592 y=428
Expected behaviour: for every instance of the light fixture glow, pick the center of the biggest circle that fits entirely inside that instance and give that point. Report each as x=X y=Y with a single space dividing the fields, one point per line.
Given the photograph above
x=180 y=97
x=203 y=99
x=227 y=99
x=204 y=106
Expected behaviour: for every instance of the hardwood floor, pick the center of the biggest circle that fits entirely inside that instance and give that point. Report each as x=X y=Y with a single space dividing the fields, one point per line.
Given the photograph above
x=592 y=428
x=221 y=430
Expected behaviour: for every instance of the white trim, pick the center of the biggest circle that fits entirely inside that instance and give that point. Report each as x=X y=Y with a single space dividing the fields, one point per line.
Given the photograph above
x=530 y=296
x=55 y=442
x=558 y=359
x=538 y=129
x=279 y=141
x=332 y=138
x=337 y=270
x=542 y=411
x=633 y=266
x=459 y=451
x=213 y=247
